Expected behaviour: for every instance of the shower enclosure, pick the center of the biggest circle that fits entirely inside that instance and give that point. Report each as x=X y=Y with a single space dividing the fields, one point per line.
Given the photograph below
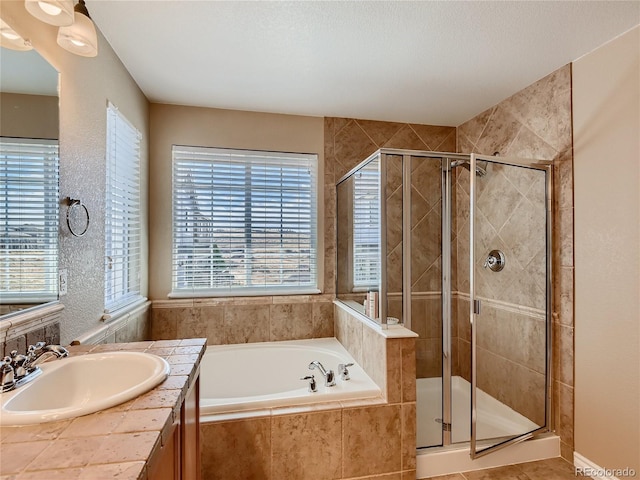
x=465 y=262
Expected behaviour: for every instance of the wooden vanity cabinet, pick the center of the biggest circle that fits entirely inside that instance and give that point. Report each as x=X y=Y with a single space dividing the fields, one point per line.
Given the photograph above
x=190 y=432
x=166 y=464
x=179 y=457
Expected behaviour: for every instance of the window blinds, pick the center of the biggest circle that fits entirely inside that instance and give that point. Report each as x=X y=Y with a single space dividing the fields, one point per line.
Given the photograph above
x=29 y=212
x=244 y=222
x=366 y=229
x=122 y=212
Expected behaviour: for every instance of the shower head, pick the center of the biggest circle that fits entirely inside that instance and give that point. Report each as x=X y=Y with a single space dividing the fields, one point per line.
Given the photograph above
x=481 y=172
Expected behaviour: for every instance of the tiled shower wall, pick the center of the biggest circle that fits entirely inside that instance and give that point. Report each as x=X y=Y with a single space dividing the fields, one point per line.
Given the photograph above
x=426 y=255
x=510 y=209
x=347 y=143
x=426 y=264
x=536 y=123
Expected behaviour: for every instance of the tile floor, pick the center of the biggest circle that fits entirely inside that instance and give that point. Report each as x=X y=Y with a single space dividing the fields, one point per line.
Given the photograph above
x=550 y=469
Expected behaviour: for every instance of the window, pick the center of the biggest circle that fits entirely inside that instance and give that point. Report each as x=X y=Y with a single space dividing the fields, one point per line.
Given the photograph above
x=244 y=222
x=29 y=212
x=122 y=213
x=366 y=228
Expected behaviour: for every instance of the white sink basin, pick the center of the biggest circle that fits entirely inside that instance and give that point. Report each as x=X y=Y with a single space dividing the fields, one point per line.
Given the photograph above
x=76 y=386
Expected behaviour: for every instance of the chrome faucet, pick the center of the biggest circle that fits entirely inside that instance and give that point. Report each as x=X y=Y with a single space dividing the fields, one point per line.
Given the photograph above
x=329 y=377
x=41 y=352
x=18 y=369
x=7 y=376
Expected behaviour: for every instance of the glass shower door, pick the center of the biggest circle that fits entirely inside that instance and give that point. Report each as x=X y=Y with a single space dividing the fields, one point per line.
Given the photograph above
x=510 y=298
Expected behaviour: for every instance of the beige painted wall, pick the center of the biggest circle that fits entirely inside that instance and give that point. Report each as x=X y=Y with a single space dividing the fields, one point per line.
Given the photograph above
x=86 y=85
x=606 y=119
x=31 y=116
x=209 y=127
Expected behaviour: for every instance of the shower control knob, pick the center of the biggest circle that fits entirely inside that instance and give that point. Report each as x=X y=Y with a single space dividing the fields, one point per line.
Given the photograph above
x=495 y=261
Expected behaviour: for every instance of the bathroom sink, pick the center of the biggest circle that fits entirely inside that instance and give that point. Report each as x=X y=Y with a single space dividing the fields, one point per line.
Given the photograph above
x=76 y=386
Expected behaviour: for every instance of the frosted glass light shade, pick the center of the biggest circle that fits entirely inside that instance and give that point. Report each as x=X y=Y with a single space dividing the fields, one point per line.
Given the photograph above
x=79 y=38
x=53 y=12
x=10 y=39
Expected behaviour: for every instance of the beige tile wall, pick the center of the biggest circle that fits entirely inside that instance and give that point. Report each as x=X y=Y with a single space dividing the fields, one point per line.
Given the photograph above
x=510 y=209
x=511 y=361
x=244 y=319
x=426 y=265
x=29 y=328
x=49 y=334
x=346 y=440
x=132 y=326
x=347 y=143
x=510 y=212
x=426 y=313
x=536 y=123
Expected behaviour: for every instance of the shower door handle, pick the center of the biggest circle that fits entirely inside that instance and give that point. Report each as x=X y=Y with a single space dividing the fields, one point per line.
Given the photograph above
x=476 y=307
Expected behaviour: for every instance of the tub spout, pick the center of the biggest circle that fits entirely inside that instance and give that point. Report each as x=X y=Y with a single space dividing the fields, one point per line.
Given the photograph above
x=329 y=377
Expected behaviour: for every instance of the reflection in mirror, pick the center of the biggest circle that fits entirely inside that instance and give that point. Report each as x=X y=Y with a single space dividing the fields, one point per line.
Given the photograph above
x=358 y=239
x=28 y=181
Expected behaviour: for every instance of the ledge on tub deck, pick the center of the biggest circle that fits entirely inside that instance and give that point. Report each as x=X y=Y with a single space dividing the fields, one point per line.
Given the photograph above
x=118 y=442
x=392 y=331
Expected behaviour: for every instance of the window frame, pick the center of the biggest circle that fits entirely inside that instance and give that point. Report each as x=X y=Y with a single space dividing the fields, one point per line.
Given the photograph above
x=315 y=257
x=125 y=250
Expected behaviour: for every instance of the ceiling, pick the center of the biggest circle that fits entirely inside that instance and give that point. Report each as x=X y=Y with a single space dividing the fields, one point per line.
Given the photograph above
x=433 y=62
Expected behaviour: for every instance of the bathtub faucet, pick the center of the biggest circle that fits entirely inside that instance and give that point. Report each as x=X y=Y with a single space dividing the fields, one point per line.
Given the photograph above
x=329 y=378
x=343 y=370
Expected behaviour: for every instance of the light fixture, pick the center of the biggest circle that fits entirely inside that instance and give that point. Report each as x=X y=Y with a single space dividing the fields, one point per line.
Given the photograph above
x=53 y=12
x=80 y=37
x=10 y=39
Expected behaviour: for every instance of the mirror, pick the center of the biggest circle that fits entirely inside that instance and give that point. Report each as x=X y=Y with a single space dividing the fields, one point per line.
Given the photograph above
x=29 y=127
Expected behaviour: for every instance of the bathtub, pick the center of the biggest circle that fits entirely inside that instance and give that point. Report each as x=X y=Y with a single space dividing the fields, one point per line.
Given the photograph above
x=256 y=376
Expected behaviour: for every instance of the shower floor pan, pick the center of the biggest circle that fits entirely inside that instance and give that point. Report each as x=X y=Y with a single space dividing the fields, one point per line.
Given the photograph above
x=495 y=419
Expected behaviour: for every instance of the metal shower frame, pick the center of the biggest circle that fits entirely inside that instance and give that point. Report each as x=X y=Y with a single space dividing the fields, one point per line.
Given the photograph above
x=477 y=448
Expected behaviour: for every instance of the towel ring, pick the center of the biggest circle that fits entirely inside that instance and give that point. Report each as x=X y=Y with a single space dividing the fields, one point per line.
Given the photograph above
x=75 y=204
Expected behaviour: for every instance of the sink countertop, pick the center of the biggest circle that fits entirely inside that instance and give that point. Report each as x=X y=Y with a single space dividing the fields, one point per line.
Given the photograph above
x=116 y=442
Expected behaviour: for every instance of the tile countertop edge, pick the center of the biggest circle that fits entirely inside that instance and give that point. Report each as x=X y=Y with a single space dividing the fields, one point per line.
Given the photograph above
x=160 y=405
